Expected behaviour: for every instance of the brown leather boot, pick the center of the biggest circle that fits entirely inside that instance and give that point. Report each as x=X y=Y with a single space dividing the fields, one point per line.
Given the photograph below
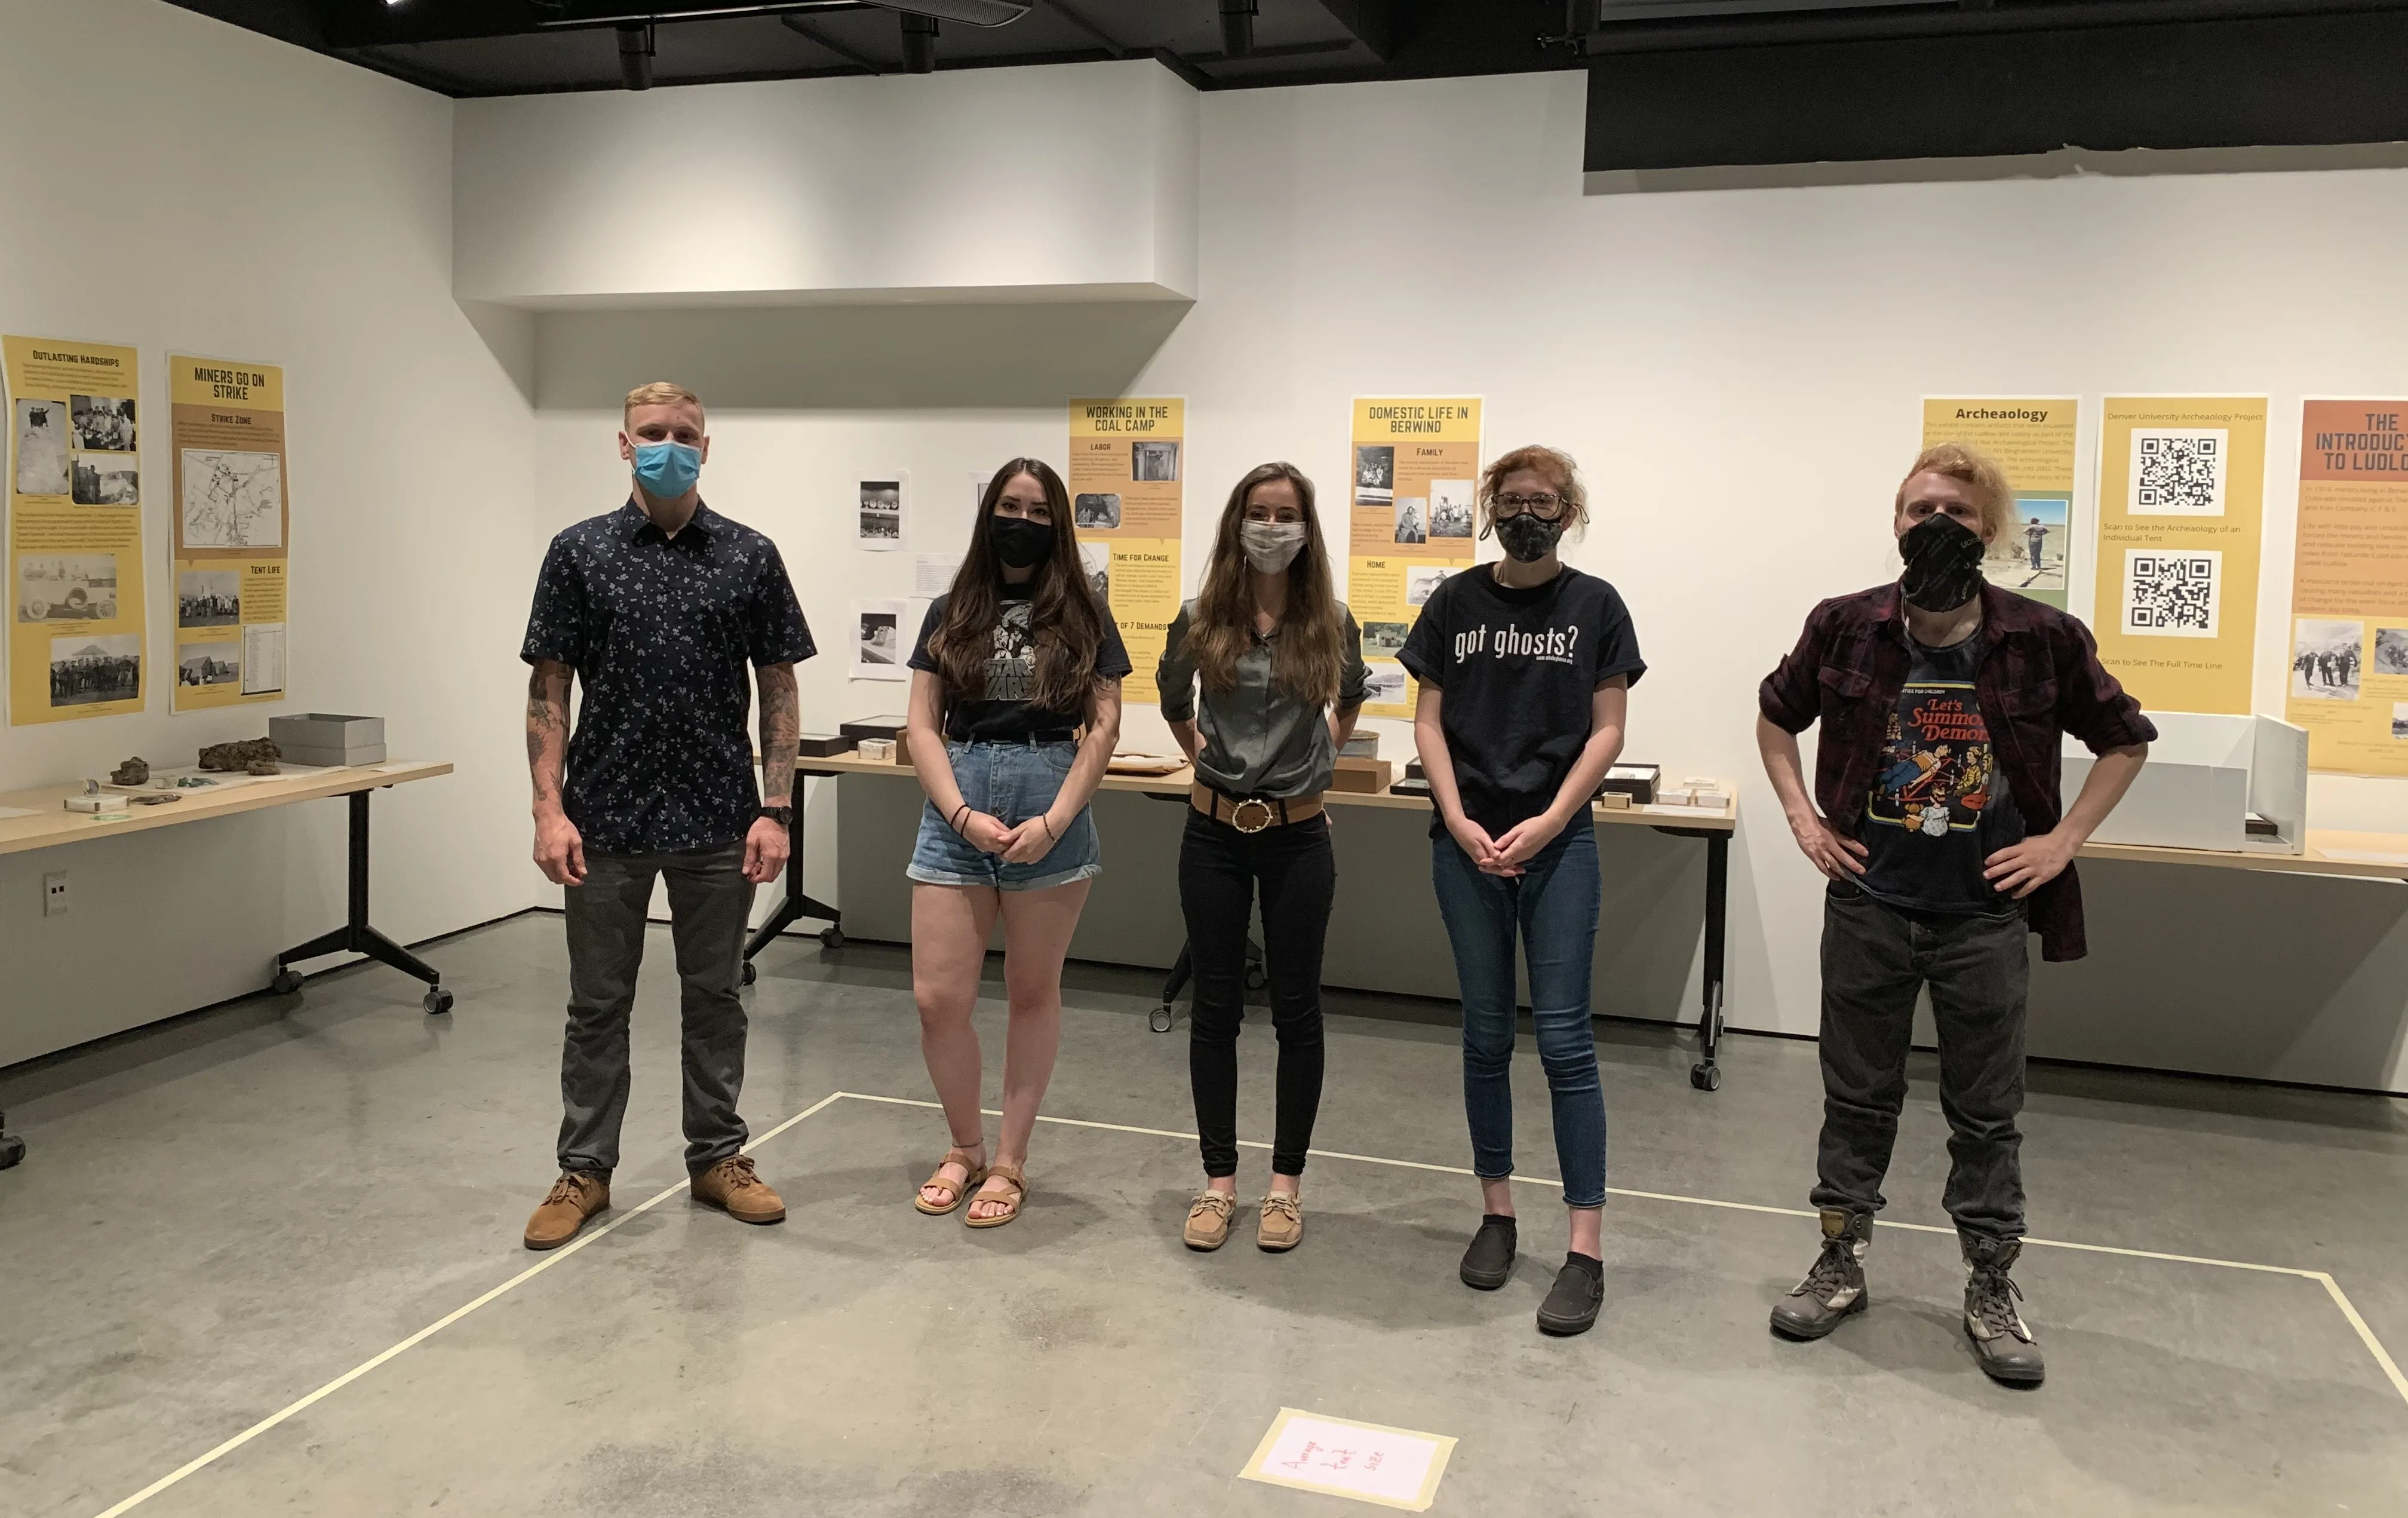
x=575 y=1197
x=733 y=1187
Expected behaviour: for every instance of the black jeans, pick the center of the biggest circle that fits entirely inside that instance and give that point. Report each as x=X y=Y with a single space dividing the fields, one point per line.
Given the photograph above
x=1219 y=868
x=709 y=901
x=1875 y=960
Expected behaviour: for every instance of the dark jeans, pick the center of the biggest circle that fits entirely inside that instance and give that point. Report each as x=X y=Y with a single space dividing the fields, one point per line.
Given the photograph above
x=1875 y=957
x=1219 y=870
x=708 y=902
x=1552 y=907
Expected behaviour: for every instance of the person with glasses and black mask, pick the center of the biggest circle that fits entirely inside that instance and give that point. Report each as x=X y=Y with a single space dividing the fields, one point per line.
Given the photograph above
x=1526 y=666
x=1937 y=817
x=1281 y=663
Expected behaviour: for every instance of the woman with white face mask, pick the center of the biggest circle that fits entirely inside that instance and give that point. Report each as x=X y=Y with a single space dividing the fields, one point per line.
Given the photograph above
x=1279 y=661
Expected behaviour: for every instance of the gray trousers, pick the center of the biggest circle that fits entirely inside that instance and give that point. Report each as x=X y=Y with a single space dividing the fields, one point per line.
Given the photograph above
x=1876 y=959
x=710 y=901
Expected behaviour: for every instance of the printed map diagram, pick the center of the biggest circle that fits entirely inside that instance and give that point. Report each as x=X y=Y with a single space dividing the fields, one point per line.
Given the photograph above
x=233 y=499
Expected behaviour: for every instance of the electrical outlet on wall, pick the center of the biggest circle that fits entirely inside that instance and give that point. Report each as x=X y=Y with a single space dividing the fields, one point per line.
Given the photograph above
x=54 y=894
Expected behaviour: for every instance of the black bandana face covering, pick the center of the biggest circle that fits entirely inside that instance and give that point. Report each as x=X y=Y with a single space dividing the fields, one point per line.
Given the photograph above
x=1943 y=563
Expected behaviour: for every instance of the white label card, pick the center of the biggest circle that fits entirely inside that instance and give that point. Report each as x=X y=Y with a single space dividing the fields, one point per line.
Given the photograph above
x=1392 y=1468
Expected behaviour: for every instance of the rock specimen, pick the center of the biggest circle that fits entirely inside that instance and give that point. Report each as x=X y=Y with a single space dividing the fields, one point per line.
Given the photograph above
x=249 y=756
x=133 y=771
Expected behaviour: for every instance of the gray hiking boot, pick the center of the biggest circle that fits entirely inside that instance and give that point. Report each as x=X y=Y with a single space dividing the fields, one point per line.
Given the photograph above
x=1835 y=1288
x=2008 y=1350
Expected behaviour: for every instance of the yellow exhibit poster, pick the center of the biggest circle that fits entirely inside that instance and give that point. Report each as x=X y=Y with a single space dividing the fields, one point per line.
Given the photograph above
x=232 y=521
x=2032 y=440
x=2348 y=678
x=2181 y=486
x=75 y=530
x=1416 y=469
x=1125 y=468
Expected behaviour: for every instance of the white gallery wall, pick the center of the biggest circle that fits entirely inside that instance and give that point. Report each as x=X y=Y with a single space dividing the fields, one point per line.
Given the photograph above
x=1739 y=372
x=177 y=184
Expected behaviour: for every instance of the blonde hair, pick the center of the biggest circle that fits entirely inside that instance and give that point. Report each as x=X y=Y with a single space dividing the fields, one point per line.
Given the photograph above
x=1971 y=467
x=659 y=393
x=1555 y=464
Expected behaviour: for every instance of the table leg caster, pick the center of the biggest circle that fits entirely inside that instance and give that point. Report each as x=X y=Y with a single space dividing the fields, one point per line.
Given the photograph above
x=1159 y=1018
x=749 y=974
x=438 y=1001
x=832 y=936
x=285 y=983
x=1706 y=1078
x=12 y=1150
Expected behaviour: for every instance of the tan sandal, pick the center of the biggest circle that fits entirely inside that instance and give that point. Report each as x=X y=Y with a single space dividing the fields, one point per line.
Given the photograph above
x=961 y=1189
x=1019 y=1183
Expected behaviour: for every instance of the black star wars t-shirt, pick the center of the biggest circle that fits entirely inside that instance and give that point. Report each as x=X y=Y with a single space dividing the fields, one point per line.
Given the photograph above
x=1007 y=712
x=1938 y=808
x=1519 y=671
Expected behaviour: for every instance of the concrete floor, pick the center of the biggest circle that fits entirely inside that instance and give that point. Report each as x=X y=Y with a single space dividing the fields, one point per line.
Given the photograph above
x=222 y=1214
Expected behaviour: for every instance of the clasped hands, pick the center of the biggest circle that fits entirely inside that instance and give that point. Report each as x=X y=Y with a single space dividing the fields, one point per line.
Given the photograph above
x=1031 y=840
x=1508 y=852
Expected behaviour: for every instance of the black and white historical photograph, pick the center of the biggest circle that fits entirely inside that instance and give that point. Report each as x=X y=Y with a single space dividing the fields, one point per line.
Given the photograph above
x=1375 y=473
x=1386 y=685
x=103 y=423
x=87 y=670
x=1420 y=580
x=2324 y=658
x=1153 y=461
x=107 y=480
x=2391 y=650
x=66 y=587
x=42 y=447
x=1384 y=639
x=1412 y=524
x=882 y=514
x=1097 y=559
x=2400 y=720
x=208 y=598
x=208 y=664
x=1096 y=511
x=878 y=648
x=1450 y=508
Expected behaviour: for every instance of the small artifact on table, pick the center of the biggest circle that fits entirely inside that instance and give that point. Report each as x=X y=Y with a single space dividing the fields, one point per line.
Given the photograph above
x=248 y=756
x=133 y=771
x=155 y=797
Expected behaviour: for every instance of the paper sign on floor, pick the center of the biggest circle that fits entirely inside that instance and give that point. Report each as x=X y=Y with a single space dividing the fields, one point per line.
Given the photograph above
x=1395 y=1467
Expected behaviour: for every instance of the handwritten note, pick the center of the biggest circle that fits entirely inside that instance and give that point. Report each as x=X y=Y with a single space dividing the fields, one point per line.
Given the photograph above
x=1393 y=1468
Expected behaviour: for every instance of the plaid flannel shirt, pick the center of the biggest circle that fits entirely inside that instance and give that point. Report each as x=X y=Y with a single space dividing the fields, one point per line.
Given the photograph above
x=2040 y=677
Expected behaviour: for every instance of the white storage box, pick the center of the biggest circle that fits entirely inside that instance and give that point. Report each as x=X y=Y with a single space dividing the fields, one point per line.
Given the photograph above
x=328 y=738
x=2206 y=774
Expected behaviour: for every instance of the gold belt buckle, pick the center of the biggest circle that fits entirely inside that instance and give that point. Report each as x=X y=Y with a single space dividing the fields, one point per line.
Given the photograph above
x=1237 y=814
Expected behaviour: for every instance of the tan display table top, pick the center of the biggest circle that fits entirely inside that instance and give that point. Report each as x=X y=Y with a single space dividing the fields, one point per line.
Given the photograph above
x=52 y=824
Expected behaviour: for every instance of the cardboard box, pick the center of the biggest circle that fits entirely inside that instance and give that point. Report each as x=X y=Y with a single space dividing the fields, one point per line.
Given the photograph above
x=823 y=745
x=327 y=738
x=2206 y=773
x=1362 y=776
x=330 y=758
x=1636 y=781
x=873 y=726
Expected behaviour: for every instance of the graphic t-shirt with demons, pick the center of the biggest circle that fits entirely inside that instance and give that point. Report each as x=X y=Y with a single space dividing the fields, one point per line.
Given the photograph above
x=1938 y=808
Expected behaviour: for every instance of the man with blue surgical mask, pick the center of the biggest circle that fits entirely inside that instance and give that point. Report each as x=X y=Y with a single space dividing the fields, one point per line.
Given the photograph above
x=655 y=610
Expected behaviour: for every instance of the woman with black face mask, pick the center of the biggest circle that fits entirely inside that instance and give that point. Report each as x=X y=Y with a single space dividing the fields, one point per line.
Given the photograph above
x=1524 y=668
x=1015 y=706
x=1281 y=663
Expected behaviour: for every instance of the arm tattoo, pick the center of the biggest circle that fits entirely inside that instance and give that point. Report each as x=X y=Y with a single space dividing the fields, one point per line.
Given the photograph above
x=781 y=730
x=547 y=728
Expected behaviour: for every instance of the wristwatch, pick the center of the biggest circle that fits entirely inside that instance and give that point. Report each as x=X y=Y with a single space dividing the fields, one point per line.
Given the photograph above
x=783 y=816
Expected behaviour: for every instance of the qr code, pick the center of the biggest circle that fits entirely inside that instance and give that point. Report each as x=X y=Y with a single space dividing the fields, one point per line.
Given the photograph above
x=2178 y=474
x=2173 y=595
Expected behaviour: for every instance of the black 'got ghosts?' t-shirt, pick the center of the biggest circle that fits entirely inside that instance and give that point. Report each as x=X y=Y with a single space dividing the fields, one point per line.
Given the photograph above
x=1518 y=670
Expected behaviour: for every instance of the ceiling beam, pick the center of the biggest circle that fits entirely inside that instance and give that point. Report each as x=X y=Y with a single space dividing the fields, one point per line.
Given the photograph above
x=1372 y=22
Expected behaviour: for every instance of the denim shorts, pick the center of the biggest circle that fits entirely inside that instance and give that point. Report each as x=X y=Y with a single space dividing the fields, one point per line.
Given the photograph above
x=1010 y=783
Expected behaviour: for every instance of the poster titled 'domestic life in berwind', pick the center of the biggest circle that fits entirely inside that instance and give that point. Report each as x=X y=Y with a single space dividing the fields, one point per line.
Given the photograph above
x=233 y=528
x=75 y=530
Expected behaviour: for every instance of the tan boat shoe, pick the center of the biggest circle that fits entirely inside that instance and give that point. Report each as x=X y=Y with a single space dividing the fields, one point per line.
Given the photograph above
x=733 y=1187
x=1208 y=1220
x=575 y=1197
x=1282 y=1225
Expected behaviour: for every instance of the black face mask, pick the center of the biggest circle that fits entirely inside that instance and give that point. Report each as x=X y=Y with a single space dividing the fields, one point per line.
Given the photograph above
x=1526 y=538
x=1022 y=543
x=1943 y=563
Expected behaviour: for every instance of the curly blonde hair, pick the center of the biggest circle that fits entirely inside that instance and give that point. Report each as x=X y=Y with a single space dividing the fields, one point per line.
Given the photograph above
x=1972 y=467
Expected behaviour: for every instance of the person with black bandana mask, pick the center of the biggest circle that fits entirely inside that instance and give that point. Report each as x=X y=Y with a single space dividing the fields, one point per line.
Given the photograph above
x=1015 y=706
x=1937 y=817
x=1524 y=667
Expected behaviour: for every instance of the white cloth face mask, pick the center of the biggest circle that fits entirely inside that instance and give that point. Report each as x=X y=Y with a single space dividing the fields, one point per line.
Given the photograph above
x=1270 y=546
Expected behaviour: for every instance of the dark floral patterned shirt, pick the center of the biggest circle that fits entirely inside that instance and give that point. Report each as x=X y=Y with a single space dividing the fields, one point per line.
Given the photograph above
x=659 y=631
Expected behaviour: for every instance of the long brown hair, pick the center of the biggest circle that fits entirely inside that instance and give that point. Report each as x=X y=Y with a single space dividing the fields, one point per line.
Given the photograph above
x=1066 y=626
x=1306 y=665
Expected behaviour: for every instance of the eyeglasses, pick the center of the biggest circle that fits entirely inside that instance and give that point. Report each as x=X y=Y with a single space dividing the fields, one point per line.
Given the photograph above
x=1546 y=506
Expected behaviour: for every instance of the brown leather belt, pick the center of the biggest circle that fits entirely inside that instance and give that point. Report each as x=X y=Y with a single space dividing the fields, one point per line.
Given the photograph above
x=1254 y=812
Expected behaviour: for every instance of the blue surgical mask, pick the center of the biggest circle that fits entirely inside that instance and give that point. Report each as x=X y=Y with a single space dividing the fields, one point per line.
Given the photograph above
x=667 y=469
